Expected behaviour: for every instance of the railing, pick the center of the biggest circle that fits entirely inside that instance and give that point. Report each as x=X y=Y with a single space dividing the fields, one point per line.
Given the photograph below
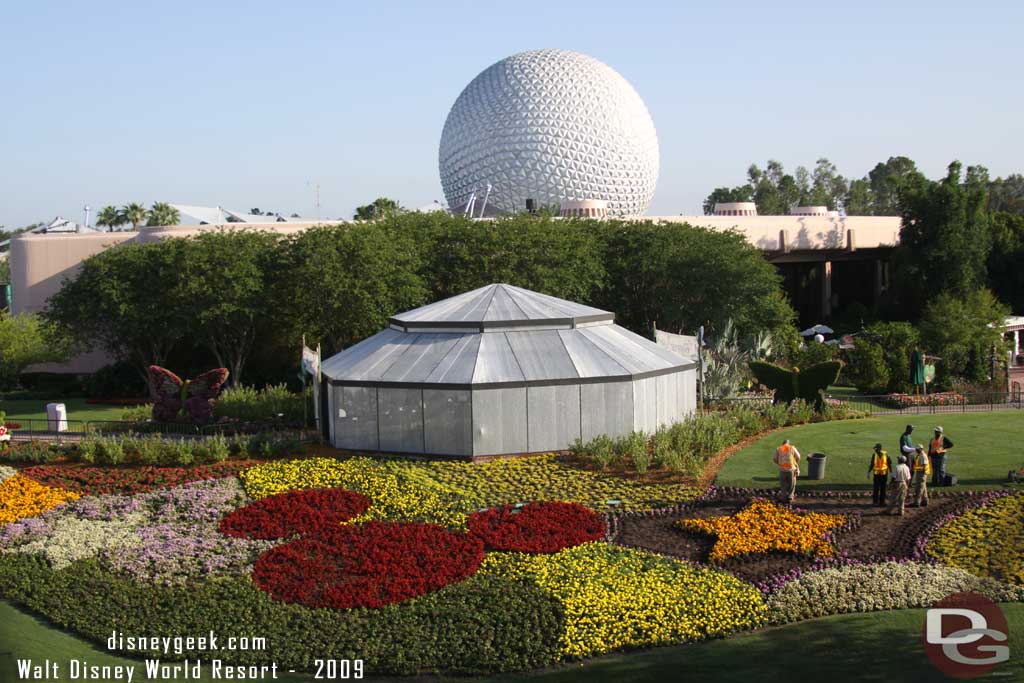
x=74 y=429
x=899 y=404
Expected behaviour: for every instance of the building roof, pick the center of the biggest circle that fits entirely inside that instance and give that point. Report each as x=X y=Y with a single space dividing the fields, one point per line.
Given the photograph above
x=498 y=306
x=501 y=335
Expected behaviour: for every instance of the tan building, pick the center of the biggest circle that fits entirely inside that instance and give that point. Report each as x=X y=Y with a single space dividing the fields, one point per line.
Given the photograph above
x=826 y=260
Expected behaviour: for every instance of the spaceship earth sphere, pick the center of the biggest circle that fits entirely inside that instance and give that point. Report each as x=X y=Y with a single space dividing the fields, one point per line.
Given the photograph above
x=549 y=125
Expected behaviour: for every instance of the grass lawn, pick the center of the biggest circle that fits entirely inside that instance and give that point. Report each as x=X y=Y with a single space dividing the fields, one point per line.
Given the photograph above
x=881 y=646
x=22 y=411
x=987 y=446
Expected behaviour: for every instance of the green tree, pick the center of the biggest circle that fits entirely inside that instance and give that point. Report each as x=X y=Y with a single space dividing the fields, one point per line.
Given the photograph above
x=227 y=282
x=560 y=258
x=381 y=207
x=828 y=187
x=111 y=217
x=1005 y=271
x=774 y=190
x=1007 y=194
x=135 y=214
x=25 y=339
x=721 y=195
x=684 y=277
x=342 y=283
x=944 y=238
x=889 y=181
x=126 y=300
x=162 y=213
x=966 y=333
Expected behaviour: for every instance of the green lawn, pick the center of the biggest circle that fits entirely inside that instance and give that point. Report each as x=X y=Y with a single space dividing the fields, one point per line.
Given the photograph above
x=987 y=446
x=881 y=646
x=22 y=411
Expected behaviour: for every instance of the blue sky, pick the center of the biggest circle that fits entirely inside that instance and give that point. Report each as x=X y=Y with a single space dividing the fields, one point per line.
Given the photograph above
x=249 y=104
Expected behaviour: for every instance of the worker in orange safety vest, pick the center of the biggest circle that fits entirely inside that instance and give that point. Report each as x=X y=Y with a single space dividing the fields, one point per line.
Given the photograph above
x=787 y=457
x=879 y=469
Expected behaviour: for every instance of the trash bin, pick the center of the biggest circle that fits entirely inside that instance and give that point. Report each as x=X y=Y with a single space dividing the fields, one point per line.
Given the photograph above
x=56 y=417
x=816 y=466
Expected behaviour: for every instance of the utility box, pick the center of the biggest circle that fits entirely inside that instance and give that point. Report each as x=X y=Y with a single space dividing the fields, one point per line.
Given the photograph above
x=56 y=417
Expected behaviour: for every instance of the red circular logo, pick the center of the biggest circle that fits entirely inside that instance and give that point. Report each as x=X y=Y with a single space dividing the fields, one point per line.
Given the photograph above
x=966 y=635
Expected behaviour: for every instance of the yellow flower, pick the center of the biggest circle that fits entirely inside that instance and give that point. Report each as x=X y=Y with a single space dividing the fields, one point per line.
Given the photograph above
x=23 y=497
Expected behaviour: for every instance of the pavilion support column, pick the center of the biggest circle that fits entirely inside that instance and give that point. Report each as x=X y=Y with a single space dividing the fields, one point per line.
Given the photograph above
x=879 y=279
x=1016 y=345
x=826 y=289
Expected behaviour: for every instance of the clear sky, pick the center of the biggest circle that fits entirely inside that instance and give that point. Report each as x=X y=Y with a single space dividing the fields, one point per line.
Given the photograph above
x=248 y=104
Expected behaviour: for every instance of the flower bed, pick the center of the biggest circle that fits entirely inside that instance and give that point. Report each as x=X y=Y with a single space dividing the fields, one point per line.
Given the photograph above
x=95 y=481
x=22 y=497
x=536 y=527
x=943 y=398
x=545 y=477
x=166 y=536
x=615 y=598
x=369 y=565
x=763 y=527
x=988 y=541
x=884 y=586
x=294 y=512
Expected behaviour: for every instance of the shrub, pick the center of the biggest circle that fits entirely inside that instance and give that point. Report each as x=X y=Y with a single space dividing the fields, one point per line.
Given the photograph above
x=663 y=452
x=536 y=527
x=481 y=625
x=749 y=420
x=109 y=451
x=628 y=447
x=799 y=412
x=602 y=450
x=139 y=413
x=247 y=403
x=777 y=416
x=31 y=451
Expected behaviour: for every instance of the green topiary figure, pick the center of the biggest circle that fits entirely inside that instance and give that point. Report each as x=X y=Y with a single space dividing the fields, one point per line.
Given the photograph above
x=791 y=384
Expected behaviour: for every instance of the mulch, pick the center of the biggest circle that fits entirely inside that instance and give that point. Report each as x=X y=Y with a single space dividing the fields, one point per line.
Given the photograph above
x=878 y=535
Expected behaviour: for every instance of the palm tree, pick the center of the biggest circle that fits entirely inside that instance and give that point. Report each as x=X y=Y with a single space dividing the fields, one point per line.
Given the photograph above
x=162 y=213
x=110 y=217
x=135 y=214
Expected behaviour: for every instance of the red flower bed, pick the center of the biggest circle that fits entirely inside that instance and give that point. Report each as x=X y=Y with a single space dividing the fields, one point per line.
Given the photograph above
x=370 y=565
x=943 y=398
x=294 y=512
x=94 y=481
x=537 y=527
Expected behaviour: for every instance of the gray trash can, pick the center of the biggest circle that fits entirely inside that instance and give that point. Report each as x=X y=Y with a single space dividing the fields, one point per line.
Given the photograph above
x=816 y=466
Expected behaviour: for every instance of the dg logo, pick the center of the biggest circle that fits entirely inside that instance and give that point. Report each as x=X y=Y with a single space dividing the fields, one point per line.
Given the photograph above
x=966 y=635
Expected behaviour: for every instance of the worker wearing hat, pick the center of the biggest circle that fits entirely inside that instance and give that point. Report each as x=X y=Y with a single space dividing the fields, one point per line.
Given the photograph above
x=907 y=446
x=937 y=448
x=922 y=469
x=787 y=457
x=879 y=468
x=900 y=477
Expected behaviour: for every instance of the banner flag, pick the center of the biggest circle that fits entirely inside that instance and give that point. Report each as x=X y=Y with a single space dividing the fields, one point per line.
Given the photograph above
x=682 y=344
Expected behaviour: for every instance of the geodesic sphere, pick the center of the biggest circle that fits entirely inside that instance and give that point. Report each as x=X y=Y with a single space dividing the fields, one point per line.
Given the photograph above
x=549 y=125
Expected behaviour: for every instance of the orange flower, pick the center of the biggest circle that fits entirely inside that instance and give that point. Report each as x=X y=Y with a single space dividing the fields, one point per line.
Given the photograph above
x=764 y=526
x=22 y=497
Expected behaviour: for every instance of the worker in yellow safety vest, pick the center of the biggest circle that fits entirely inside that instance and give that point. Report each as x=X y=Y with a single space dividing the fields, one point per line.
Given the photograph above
x=879 y=469
x=922 y=471
x=787 y=457
x=937 y=448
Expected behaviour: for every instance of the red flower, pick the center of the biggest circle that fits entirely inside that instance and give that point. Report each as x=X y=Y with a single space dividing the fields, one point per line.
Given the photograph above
x=95 y=481
x=294 y=512
x=370 y=565
x=537 y=527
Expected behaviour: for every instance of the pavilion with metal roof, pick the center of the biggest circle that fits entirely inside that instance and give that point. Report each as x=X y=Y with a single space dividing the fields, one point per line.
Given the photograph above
x=502 y=370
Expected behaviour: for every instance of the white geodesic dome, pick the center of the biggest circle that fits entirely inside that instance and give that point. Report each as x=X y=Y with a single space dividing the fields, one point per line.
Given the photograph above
x=549 y=125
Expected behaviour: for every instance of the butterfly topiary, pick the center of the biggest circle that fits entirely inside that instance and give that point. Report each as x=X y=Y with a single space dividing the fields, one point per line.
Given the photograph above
x=171 y=394
x=808 y=384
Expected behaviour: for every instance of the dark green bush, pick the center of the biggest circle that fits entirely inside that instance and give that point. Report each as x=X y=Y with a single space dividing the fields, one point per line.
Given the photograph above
x=38 y=452
x=481 y=625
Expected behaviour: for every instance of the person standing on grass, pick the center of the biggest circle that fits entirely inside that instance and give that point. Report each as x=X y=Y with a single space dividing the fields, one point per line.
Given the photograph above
x=937 y=448
x=787 y=457
x=907 y=446
x=879 y=467
x=900 y=477
x=922 y=470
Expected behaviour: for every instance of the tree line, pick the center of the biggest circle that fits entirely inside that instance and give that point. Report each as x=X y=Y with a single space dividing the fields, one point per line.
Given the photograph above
x=878 y=193
x=243 y=299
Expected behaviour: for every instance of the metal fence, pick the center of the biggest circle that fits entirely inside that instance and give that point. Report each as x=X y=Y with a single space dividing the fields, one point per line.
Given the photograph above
x=905 y=404
x=74 y=429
